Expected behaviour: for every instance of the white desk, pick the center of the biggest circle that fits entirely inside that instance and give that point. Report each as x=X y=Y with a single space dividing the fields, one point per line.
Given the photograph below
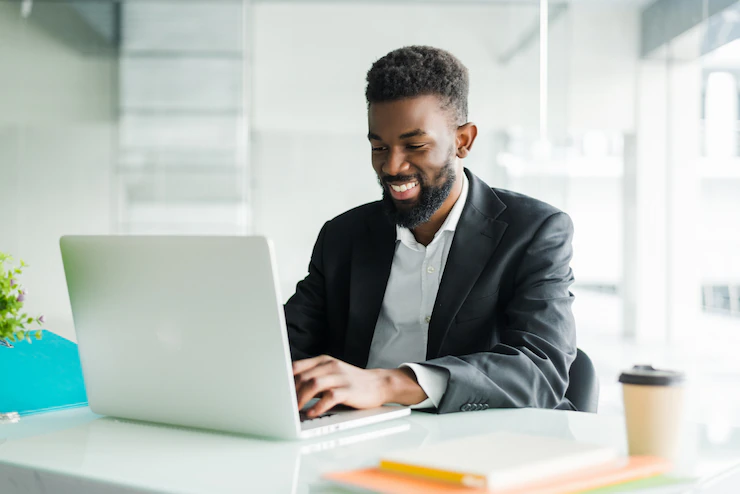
x=76 y=452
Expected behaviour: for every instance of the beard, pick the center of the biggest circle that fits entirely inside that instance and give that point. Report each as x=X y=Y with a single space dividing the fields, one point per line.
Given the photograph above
x=431 y=197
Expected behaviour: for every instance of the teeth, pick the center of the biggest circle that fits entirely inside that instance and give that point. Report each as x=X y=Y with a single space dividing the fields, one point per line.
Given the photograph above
x=403 y=187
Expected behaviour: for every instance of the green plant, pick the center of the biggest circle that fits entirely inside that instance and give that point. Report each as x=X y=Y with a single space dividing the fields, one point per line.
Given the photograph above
x=12 y=321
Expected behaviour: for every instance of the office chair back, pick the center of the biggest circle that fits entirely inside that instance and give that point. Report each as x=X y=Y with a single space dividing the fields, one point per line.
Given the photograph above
x=583 y=389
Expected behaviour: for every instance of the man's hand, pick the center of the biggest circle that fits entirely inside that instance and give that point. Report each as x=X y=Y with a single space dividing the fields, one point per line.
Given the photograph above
x=338 y=382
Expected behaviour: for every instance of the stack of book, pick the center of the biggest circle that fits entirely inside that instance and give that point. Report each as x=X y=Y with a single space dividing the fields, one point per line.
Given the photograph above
x=503 y=463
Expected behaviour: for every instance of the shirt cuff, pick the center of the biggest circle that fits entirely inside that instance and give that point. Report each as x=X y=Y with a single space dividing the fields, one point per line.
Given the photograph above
x=432 y=381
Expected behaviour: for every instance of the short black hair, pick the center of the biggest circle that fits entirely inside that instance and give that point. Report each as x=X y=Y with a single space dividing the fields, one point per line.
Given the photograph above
x=418 y=71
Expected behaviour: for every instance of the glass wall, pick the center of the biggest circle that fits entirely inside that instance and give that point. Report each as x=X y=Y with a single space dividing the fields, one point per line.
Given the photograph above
x=119 y=117
x=182 y=164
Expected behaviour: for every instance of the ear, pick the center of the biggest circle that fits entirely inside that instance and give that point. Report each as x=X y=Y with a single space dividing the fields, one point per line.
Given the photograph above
x=466 y=135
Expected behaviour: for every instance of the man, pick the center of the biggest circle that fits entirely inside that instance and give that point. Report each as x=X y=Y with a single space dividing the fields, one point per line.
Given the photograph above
x=446 y=294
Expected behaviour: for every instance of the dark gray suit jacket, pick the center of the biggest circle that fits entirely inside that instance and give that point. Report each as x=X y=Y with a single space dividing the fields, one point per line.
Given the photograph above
x=502 y=326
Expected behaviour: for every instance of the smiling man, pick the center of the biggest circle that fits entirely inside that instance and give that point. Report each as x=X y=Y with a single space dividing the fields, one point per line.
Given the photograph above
x=446 y=294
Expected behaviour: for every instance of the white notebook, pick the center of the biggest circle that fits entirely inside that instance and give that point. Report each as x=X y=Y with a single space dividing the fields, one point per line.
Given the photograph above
x=497 y=461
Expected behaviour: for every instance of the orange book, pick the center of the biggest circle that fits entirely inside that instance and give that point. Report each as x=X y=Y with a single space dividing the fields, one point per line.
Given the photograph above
x=612 y=473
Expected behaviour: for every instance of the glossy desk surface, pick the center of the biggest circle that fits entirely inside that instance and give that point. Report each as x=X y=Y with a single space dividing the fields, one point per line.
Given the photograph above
x=78 y=451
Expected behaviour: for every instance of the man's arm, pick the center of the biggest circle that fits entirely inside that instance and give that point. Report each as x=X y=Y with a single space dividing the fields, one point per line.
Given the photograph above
x=529 y=367
x=335 y=382
x=305 y=311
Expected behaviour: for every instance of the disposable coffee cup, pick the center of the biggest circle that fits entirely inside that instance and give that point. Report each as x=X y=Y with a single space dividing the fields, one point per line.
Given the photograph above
x=654 y=410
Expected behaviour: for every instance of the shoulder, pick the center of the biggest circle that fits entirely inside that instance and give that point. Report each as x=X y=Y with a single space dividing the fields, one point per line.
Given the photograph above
x=356 y=215
x=354 y=223
x=341 y=234
x=509 y=206
x=521 y=208
x=518 y=204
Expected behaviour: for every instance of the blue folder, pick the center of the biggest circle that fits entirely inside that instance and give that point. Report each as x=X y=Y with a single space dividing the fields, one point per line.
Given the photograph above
x=41 y=376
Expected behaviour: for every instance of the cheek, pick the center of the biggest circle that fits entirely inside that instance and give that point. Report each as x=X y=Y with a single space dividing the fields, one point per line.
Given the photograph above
x=433 y=158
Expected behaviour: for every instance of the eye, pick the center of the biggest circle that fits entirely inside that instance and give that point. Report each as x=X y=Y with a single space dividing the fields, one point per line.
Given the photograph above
x=415 y=146
x=379 y=148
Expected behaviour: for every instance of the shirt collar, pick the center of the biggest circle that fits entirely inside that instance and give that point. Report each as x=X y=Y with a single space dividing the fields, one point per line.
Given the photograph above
x=406 y=236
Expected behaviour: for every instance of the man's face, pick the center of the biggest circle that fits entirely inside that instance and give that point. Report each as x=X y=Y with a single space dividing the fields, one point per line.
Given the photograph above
x=414 y=155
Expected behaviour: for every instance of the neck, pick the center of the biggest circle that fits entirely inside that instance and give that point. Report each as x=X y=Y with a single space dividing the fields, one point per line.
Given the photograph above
x=425 y=232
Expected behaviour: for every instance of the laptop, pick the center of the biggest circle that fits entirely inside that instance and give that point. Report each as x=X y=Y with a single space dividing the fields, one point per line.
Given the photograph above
x=190 y=331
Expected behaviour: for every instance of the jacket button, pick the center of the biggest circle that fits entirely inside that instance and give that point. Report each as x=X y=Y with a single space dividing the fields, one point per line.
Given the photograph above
x=485 y=406
x=477 y=407
x=465 y=408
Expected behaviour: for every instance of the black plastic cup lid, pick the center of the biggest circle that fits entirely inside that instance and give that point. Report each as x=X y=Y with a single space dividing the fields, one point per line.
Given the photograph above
x=648 y=375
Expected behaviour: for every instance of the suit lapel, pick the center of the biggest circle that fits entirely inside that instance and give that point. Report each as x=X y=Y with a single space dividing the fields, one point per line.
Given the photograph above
x=477 y=235
x=372 y=258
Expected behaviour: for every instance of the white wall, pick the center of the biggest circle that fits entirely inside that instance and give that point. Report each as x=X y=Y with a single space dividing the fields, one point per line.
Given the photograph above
x=310 y=60
x=57 y=136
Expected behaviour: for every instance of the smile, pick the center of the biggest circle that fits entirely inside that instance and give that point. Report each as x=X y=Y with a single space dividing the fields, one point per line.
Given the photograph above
x=403 y=187
x=404 y=192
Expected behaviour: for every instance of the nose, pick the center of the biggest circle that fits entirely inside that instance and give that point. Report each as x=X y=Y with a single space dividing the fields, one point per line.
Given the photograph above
x=396 y=163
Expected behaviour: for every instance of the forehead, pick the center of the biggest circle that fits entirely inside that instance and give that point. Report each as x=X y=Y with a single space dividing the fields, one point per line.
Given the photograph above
x=390 y=119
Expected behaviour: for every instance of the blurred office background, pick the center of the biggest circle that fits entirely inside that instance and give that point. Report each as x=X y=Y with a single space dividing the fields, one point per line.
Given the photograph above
x=237 y=117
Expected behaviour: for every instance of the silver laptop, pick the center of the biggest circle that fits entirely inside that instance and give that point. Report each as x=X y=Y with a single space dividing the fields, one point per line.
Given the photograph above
x=190 y=331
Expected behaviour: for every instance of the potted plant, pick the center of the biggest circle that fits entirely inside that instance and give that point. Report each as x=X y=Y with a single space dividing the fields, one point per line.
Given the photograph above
x=13 y=321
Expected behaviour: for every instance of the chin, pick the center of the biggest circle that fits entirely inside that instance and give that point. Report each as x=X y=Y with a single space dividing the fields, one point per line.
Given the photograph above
x=406 y=203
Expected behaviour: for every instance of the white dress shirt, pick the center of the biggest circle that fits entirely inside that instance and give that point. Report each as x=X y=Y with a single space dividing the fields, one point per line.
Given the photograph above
x=403 y=324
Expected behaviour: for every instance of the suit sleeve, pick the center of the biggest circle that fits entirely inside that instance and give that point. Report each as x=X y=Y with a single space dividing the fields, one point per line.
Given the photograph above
x=305 y=311
x=529 y=366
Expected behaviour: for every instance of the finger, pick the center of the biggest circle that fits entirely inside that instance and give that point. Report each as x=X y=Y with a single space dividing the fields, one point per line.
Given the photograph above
x=311 y=388
x=329 y=399
x=331 y=366
x=305 y=364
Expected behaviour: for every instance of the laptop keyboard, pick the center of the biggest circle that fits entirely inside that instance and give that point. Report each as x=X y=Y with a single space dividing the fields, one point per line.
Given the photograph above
x=305 y=418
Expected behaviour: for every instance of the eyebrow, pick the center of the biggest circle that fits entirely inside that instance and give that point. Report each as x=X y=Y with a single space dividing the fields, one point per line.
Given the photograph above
x=413 y=133
x=406 y=135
